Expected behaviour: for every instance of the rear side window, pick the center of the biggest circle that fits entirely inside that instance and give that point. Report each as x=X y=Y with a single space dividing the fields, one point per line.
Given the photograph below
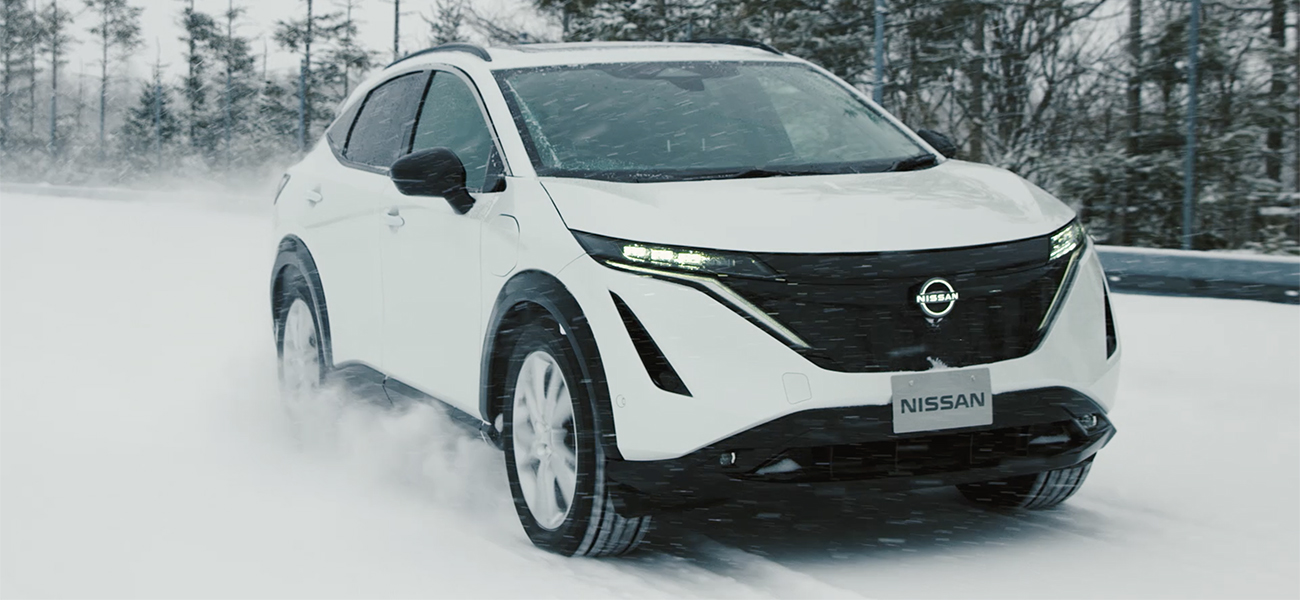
x=451 y=119
x=382 y=132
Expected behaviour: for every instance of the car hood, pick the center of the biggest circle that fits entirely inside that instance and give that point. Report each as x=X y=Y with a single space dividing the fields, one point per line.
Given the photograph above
x=951 y=205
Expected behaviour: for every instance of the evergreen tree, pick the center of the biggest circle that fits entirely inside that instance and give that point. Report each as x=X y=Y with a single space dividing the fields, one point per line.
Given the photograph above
x=298 y=37
x=19 y=33
x=345 y=56
x=54 y=42
x=200 y=36
x=117 y=26
x=447 y=22
x=151 y=126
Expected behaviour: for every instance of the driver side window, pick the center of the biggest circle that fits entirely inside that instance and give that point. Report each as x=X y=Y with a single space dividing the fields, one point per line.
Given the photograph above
x=451 y=119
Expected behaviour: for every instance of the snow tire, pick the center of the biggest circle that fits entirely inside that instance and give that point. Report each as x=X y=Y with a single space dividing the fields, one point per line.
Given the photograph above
x=591 y=525
x=1032 y=492
x=292 y=289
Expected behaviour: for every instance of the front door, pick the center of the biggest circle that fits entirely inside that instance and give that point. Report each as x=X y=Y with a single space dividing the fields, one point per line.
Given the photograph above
x=432 y=309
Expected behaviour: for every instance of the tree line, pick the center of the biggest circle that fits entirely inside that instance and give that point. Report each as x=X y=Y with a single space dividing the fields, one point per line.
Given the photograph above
x=1086 y=98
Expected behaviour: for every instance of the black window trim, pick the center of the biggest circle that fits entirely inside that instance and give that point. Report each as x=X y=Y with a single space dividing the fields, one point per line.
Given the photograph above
x=430 y=71
x=339 y=152
x=482 y=107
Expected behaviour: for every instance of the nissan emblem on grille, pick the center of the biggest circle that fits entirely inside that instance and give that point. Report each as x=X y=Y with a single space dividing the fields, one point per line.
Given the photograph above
x=937 y=297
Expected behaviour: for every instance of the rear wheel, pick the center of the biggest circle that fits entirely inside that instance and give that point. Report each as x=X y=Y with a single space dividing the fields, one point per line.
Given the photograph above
x=553 y=458
x=1034 y=492
x=298 y=342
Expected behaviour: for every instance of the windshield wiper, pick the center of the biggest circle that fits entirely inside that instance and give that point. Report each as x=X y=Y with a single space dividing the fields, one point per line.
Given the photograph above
x=758 y=173
x=912 y=163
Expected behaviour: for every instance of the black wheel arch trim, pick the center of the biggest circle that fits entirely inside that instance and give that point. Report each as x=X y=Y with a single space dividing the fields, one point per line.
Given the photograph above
x=530 y=293
x=293 y=253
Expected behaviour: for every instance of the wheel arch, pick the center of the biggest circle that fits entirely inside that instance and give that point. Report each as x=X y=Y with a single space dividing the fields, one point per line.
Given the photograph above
x=293 y=255
x=528 y=295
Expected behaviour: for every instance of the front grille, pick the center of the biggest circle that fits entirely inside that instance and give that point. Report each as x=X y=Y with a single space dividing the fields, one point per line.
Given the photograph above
x=920 y=456
x=858 y=312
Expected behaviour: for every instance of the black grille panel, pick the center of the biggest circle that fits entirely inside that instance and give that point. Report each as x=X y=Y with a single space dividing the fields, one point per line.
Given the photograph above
x=859 y=315
x=928 y=455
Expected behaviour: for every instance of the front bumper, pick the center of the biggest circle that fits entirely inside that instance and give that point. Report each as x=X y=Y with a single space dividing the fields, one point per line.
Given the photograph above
x=740 y=377
x=1032 y=431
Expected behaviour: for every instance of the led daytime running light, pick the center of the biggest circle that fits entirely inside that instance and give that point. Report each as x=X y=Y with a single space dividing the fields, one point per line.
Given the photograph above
x=721 y=263
x=1066 y=240
x=681 y=259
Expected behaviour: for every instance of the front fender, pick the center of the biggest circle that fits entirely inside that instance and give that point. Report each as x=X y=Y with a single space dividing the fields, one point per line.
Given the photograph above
x=528 y=295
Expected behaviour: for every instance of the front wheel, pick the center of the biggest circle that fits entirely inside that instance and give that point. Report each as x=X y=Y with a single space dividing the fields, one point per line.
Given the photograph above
x=553 y=458
x=1034 y=492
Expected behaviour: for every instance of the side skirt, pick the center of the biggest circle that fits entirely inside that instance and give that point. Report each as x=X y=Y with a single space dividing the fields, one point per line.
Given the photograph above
x=371 y=385
x=399 y=394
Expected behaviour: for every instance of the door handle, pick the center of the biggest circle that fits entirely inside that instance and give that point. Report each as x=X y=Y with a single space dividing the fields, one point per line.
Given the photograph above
x=393 y=219
x=314 y=197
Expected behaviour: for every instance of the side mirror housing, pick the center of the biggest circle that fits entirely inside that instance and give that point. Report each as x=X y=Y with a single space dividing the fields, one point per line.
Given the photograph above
x=939 y=142
x=433 y=172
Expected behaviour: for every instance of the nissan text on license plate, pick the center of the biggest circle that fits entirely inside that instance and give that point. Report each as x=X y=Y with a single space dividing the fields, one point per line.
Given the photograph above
x=935 y=400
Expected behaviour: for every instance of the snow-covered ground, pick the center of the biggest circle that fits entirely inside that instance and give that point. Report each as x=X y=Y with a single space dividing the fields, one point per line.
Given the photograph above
x=143 y=452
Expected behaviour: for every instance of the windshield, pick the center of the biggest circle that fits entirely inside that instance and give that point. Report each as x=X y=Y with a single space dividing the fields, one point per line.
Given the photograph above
x=697 y=120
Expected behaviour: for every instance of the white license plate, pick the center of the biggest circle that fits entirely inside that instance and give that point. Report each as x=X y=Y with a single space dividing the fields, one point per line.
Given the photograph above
x=936 y=400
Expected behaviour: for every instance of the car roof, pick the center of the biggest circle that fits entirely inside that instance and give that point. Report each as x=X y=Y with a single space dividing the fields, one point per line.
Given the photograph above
x=575 y=53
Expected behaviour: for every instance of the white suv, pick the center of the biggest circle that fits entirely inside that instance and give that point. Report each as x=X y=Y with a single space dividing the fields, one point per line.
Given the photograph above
x=663 y=275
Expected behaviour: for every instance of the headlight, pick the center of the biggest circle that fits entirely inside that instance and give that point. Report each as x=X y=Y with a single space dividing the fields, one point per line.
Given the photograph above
x=657 y=256
x=1066 y=240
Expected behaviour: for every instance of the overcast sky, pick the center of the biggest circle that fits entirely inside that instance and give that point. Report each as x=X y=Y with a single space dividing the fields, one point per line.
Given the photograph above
x=161 y=30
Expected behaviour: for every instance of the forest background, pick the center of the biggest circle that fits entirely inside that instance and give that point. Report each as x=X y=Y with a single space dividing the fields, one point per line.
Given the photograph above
x=1087 y=98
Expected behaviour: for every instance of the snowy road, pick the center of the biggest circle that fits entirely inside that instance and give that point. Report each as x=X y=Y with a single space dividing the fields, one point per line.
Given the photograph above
x=142 y=453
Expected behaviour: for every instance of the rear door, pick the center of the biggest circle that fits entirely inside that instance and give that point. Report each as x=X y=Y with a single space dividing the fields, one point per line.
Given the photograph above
x=432 y=309
x=345 y=217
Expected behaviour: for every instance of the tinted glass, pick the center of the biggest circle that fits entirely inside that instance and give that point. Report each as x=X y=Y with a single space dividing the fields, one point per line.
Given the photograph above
x=337 y=134
x=383 y=129
x=451 y=119
x=664 y=121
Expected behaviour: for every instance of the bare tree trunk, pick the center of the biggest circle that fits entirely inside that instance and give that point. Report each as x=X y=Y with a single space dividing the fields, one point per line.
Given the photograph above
x=306 y=80
x=103 y=83
x=189 y=80
x=8 y=68
x=1134 y=110
x=230 y=39
x=55 y=52
x=977 y=88
x=31 y=89
x=397 y=28
x=1277 y=93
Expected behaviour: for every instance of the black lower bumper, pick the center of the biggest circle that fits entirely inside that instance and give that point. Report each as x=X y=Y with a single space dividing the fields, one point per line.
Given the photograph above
x=1032 y=431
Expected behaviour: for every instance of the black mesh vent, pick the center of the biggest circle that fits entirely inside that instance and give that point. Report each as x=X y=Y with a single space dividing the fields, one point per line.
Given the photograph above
x=919 y=456
x=656 y=364
x=1112 y=342
x=858 y=312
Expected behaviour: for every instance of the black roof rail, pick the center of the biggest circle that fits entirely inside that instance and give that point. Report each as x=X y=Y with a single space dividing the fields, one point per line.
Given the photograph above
x=739 y=42
x=474 y=49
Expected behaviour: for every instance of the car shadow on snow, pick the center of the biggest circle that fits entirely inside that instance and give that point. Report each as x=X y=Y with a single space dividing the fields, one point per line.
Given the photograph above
x=841 y=522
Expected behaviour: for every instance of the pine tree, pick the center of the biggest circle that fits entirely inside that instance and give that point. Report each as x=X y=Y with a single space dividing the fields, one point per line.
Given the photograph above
x=298 y=37
x=446 y=22
x=55 y=40
x=117 y=25
x=151 y=126
x=199 y=38
x=19 y=33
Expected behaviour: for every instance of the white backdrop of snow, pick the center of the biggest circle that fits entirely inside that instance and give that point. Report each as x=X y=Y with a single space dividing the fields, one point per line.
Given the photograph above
x=143 y=453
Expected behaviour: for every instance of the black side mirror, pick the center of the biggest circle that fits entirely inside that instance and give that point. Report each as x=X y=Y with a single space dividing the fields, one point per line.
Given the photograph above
x=939 y=142
x=433 y=172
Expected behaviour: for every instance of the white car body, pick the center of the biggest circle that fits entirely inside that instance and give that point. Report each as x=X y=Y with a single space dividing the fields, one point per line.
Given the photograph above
x=415 y=303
